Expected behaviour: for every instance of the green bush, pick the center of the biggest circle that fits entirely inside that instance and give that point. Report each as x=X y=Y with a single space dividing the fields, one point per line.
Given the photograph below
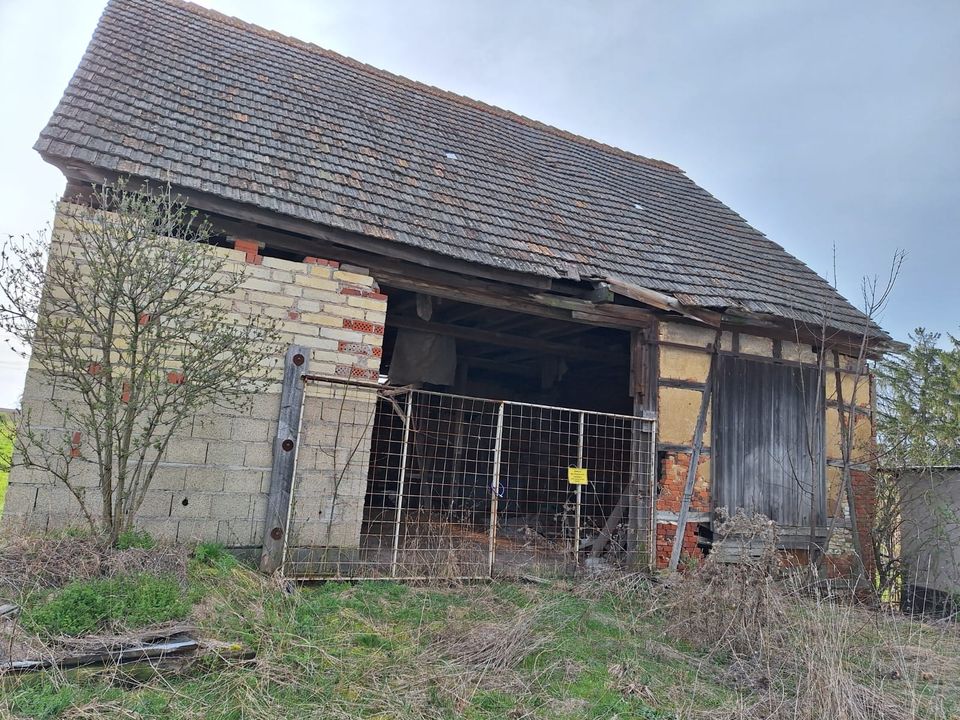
x=135 y=539
x=214 y=555
x=91 y=605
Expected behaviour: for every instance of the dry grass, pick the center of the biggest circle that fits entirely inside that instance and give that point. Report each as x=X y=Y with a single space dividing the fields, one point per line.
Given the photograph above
x=741 y=642
x=795 y=654
x=493 y=645
x=30 y=563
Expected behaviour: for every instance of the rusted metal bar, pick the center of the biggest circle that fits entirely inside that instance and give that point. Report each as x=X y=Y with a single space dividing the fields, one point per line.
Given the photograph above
x=404 y=454
x=576 y=513
x=495 y=488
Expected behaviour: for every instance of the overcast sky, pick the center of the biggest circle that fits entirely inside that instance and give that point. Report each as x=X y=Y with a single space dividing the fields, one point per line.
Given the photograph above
x=826 y=125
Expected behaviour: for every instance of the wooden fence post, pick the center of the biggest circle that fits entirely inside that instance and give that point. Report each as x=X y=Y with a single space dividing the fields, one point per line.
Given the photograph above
x=285 y=447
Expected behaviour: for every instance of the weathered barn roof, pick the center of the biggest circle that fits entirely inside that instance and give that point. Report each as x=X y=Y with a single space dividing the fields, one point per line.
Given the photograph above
x=171 y=91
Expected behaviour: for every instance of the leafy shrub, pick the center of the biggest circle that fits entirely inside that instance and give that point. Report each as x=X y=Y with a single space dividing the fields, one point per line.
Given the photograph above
x=135 y=539
x=88 y=606
x=214 y=555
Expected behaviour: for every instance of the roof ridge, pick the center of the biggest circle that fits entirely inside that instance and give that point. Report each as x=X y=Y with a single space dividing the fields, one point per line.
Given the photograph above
x=416 y=84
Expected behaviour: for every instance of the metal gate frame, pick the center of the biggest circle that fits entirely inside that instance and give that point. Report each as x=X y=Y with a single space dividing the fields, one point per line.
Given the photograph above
x=641 y=459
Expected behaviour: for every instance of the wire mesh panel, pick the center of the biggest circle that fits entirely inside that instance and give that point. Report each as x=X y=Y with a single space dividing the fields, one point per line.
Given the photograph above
x=414 y=484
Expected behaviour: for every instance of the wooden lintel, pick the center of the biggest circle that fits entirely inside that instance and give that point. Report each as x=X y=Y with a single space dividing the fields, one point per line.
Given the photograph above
x=492 y=337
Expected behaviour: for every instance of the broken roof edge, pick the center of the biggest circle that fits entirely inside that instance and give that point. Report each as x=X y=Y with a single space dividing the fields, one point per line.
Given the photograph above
x=83 y=172
x=878 y=340
x=418 y=85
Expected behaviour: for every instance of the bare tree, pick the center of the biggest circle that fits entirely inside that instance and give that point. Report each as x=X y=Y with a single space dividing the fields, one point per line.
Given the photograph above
x=875 y=297
x=136 y=333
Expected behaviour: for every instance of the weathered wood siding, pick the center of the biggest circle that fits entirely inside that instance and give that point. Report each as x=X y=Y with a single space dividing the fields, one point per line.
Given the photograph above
x=768 y=440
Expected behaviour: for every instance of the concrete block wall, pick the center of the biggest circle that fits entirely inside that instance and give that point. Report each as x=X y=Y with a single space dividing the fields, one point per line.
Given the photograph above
x=332 y=464
x=683 y=365
x=212 y=483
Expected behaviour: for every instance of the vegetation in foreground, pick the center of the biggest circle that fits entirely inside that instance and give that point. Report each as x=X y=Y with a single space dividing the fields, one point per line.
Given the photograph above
x=716 y=643
x=6 y=453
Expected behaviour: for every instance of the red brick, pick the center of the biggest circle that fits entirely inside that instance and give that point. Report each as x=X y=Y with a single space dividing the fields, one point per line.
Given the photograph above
x=251 y=249
x=175 y=378
x=293 y=315
x=360 y=326
x=351 y=291
x=75 y=444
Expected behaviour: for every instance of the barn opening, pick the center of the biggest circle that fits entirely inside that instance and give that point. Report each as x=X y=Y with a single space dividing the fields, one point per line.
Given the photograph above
x=500 y=442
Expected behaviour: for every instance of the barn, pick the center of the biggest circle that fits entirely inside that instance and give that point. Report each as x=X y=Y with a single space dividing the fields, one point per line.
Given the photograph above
x=511 y=348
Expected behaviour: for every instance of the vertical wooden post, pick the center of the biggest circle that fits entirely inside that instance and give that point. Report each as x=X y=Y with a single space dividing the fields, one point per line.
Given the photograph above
x=639 y=498
x=694 y=458
x=285 y=447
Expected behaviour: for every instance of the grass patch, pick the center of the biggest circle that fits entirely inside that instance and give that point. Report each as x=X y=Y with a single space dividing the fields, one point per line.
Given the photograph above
x=381 y=650
x=89 y=606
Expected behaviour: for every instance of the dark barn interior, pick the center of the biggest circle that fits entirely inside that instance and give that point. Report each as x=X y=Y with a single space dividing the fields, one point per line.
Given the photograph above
x=463 y=359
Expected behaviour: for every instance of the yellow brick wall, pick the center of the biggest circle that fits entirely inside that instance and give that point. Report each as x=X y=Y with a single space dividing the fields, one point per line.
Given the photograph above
x=213 y=481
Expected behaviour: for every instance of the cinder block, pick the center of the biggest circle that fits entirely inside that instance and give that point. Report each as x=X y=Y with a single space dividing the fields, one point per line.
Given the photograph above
x=258 y=455
x=233 y=533
x=186 y=451
x=196 y=531
x=231 y=506
x=244 y=481
x=229 y=454
x=169 y=477
x=212 y=427
x=204 y=478
x=253 y=430
x=21 y=499
x=191 y=504
x=156 y=504
x=265 y=406
x=163 y=530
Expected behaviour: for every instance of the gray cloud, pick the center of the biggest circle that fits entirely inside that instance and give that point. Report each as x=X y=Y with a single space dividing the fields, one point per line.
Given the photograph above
x=824 y=124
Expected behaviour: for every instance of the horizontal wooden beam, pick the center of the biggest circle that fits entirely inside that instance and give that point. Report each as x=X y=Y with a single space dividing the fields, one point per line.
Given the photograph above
x=492 y=337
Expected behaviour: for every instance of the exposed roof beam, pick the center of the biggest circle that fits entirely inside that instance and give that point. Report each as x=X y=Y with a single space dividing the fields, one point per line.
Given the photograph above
x=506 y=340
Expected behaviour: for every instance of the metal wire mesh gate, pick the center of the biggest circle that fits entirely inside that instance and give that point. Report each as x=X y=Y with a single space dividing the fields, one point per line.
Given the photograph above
x=416 y=484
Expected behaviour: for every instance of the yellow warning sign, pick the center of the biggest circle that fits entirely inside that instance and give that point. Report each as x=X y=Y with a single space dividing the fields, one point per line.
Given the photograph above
x=577 y=476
